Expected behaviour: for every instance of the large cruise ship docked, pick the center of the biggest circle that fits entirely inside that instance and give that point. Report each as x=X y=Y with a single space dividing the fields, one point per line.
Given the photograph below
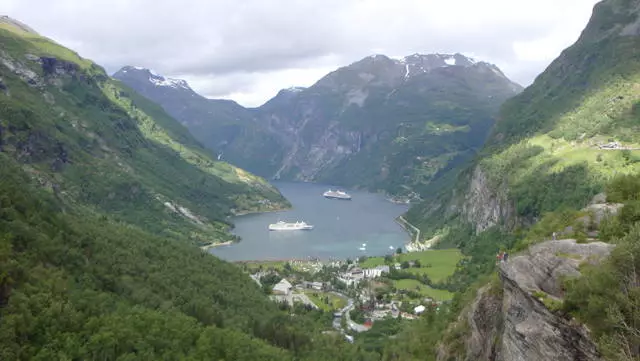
x=331 y=194
x=286 y=226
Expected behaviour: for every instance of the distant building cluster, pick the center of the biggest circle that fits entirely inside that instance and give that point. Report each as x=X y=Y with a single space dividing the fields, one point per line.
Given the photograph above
x=355 y=275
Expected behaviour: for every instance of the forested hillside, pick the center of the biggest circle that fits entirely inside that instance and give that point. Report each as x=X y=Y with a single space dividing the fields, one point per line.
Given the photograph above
x=568 y=137
x=78 y=286
x=96 y=144
x=102 y=196
x=562 y=139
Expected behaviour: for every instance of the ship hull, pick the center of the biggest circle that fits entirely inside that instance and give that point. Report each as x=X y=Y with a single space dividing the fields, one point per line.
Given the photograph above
x=290 y=229
x=338 y=197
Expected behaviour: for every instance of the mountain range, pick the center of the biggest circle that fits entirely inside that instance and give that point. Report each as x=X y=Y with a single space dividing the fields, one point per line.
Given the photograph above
x=379 y=123
x=104 y=195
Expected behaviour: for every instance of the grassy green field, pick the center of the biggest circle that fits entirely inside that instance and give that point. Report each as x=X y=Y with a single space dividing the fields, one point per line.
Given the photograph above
x=254 y=266
x=335 y=302
x=443 y=262
x=424 y=290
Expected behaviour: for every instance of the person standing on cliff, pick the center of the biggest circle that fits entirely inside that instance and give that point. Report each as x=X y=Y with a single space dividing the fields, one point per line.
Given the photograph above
x=554 y=236
x=504 y=257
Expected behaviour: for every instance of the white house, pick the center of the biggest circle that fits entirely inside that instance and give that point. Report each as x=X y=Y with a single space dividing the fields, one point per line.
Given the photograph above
x=419 y=309
x=283 y=287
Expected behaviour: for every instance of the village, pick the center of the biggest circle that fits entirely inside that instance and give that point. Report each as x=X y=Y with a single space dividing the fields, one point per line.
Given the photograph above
x=358 y=293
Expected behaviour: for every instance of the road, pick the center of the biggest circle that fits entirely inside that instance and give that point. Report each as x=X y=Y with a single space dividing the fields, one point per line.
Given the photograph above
x=345 y=313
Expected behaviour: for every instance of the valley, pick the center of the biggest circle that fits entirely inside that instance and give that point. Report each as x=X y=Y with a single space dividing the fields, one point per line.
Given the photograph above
x=488 y=221
x=360 y=126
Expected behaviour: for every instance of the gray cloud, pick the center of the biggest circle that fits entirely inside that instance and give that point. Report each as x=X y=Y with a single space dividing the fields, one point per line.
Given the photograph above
x=251 y=48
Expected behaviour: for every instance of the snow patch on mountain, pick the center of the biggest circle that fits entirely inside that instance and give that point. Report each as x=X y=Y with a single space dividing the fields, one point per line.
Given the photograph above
x=295 y=89
x=173 y=83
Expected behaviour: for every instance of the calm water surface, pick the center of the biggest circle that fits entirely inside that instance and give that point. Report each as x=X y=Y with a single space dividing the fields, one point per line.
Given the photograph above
x=341 y=227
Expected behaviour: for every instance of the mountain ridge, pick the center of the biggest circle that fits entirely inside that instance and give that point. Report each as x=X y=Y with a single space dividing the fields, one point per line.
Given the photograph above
x=90 y=119
x=102 y=198
x=312 y=133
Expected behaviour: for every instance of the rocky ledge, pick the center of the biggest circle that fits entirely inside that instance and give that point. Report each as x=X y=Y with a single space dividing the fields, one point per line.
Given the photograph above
x=515 y=321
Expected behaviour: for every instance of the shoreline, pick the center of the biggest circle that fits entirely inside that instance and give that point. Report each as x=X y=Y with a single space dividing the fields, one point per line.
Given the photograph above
x=214 y=245
x=414 y=232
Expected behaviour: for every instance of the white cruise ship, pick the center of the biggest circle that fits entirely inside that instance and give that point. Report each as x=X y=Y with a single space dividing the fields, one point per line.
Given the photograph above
x=286 y=226
x=331 y=194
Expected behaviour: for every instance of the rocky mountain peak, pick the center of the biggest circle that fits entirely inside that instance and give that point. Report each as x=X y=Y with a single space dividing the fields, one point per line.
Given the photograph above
x=382 y=70
x=613 y=18
x=294 y=89
x=421 y=63
x=152 y=77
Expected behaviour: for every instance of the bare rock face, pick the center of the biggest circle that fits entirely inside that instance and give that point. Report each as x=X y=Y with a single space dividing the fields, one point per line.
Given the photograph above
x=485 y=206
x=514 y=324
x=485 y=321
x=531 y=331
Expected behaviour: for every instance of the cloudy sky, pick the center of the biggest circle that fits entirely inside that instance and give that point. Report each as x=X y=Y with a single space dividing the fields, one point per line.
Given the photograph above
x=247 y=50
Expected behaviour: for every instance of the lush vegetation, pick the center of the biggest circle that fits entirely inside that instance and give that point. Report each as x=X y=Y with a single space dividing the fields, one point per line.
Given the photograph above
x=607 y=296
x=327 y=301
x=99 y=192
x=76 y=286
x=437 y=264
x=422 y=289
x=98 y=145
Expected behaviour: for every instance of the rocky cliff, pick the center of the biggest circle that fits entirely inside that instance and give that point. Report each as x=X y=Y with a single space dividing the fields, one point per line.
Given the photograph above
x=549 y=148
x=485 y=205
x=380 y=123
x=518 y=319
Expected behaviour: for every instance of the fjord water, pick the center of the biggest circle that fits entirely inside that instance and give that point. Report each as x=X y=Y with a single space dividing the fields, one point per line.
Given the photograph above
x=341 y=227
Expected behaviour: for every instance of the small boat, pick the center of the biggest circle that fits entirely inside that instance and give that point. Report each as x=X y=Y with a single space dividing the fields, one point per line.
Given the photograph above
x=362 y=248
x=331 y=194
x=287 y=226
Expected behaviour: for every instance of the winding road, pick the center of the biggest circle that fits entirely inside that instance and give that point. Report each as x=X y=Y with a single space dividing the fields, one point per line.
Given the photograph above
x=344 y=312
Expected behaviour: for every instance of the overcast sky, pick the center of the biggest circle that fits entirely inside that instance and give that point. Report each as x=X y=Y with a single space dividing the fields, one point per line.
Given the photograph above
x=247 y=50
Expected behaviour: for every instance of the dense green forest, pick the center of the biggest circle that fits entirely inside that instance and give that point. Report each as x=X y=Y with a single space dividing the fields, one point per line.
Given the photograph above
x=77 y=286
x=101 y=193
x=102 y=196
x=96 y=144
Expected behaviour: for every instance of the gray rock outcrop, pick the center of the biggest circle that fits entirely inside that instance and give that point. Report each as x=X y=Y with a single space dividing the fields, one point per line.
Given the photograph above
x=514 y=322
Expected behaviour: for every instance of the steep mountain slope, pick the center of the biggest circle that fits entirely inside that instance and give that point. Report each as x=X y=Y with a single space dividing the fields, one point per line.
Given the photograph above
x=95 y=143
x=559 y=141
x=379 y=123
x=99 y=188
x=556 y=145
x=234 y=130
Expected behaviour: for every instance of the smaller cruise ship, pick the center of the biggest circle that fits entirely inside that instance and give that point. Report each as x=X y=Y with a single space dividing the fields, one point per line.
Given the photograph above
x=331 y=194
x=287 y=226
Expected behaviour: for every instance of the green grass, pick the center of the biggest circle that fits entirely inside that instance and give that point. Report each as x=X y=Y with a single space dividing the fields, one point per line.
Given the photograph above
x=372 y=262
x=335 y=302
x=254 y=266
x=443 y=262
x=423 y=290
